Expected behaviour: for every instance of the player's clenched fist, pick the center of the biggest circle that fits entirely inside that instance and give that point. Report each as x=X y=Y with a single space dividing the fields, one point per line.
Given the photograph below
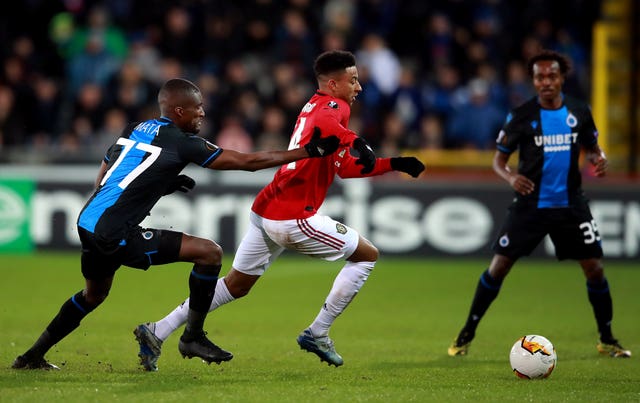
x=321 y=146
x=410 y=165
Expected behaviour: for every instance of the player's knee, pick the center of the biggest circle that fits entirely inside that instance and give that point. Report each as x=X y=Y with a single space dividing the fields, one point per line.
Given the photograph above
x=95 y=298
x=374 y=254
x=239 y=284
x=209 y=253
x=365 y=252
x=239 y=290
x=593 y=269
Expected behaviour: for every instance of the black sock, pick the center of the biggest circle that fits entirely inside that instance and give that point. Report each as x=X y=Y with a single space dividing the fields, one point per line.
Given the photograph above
x=600 y=299
x=202 y=286
x=486 y=291
x=66 y=321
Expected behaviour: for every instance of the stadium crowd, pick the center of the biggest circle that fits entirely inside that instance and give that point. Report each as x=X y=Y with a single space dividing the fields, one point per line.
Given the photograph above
x=437 y=74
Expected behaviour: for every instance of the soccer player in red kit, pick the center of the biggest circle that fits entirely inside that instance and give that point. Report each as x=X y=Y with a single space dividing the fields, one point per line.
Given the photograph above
x=285 y=215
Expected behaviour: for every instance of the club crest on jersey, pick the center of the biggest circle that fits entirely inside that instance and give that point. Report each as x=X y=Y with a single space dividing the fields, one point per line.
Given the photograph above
x=147 y=235
x=333 y=104
x=504 y=240
x=341 y=228
x=572 y=121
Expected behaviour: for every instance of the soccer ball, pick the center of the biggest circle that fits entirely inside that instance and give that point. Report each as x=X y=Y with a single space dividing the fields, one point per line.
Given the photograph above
x=532 y=357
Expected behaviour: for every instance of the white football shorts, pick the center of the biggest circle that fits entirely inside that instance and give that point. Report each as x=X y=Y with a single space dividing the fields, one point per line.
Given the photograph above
x=318 y=236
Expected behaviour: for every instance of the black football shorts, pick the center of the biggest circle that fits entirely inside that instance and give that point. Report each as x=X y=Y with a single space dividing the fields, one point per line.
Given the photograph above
x=572 y=230
x=142 y=248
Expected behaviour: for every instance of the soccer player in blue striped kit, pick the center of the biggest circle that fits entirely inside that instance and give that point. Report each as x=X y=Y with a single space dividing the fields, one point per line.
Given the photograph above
x=549 y=132
x=143 y=165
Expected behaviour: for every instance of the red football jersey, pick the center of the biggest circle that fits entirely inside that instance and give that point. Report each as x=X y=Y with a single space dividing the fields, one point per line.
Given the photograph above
x=299 y=188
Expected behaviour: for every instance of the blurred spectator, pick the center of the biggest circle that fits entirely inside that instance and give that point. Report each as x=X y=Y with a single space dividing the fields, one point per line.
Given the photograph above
x=129 y=90
x=180 y=37
x=543 y=32
x=20 y=100
x=475 y=124
x=274 y=134
x=395 y=136
x=11 y=125
x=578 y=79
x=47 y=106
x=368 y=107
x=445 y=93
x=497 y=89
x=377 y=16
x=441 y=45
x=333 y=40
x=115 y=121
x=61 y=30
x=260 y=20
x=406 y=101
x=84 y=133
x=249 y=109
x=221 y=40
x=295 y=43
x=90 y=104
x=431 y=136
x=486 y=30
x=170 y=68
x=94 y=65
x=519 y=87
x=253 y=60
x=147 y=57
x=97 y=30
x=529 y=47
x=338 y=17
x=382 y=63
x=291 y=97
x=233 y=136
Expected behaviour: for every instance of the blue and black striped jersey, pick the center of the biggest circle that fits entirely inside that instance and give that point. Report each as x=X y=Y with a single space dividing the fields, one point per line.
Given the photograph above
x=549 y=144
x=140 y=165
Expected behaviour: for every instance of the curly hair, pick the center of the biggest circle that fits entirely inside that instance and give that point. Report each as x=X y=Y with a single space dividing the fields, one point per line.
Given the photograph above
x=332 y=61
x=550 y=55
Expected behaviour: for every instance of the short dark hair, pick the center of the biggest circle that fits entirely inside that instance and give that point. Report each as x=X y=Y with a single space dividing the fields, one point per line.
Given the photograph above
x=550 y=55
x=178 y=86
x=333 y=61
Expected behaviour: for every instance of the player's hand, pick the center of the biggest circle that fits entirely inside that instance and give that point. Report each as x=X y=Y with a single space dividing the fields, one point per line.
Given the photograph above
x=600 y=163
x=367 y=156
x=522 y=184
x=410 y=165
x=321 y=146
x=182 y=183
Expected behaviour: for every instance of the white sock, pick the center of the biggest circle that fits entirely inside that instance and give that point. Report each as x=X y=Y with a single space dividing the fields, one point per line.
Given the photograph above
x=178 y=317
x=345 y=287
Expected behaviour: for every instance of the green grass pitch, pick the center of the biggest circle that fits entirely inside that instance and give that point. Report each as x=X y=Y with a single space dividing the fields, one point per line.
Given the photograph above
x=393 y=337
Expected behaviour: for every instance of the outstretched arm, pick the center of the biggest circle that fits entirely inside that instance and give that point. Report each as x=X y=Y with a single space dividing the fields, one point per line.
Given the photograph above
x=231 y=159
x=315 y=148
x=519 y=183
